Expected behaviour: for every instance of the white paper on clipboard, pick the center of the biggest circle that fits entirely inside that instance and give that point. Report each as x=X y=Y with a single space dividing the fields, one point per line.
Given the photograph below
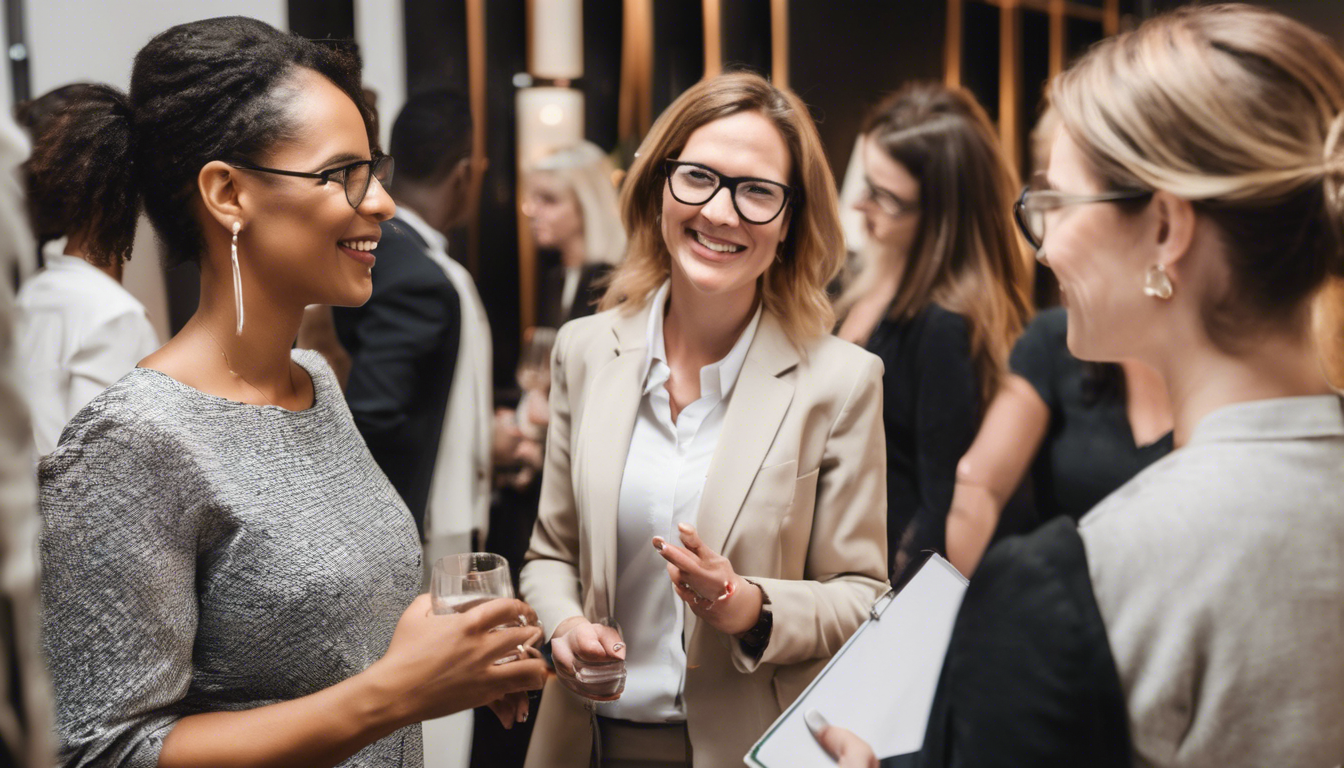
x=880 y=684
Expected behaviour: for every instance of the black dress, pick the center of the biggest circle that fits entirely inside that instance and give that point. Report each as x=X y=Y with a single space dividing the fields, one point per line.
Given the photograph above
x=931 y=410
x=552 y=312
x=1089 y=450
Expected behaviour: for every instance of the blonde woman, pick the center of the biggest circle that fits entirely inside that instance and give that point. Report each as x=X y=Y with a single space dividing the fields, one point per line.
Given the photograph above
x=570 y=199
x=1194 y=210
x=714 y=470
x=943 y=293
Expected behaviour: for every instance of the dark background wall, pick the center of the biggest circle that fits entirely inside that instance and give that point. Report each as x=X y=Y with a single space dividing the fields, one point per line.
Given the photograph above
x=845 y=56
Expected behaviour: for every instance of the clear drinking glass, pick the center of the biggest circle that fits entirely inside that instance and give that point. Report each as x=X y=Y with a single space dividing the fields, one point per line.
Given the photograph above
x=462 y=582
x=600 y=681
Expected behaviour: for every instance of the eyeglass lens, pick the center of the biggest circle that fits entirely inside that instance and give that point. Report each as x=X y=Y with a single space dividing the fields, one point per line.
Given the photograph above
x=757 y=202
x=1032 y=221
x=358 y=177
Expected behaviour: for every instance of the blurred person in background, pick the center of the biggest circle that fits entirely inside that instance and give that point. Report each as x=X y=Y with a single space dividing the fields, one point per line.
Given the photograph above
x=943 y=291
x=1075 y=430
x=404 y=343
x=79 y=330
x=1193 y=211
x=25 y=692
x=228 y=577
x=704 y=413
x=570 y=201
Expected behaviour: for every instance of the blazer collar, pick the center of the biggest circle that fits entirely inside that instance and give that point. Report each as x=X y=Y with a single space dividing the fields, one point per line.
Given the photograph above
x=771 y=350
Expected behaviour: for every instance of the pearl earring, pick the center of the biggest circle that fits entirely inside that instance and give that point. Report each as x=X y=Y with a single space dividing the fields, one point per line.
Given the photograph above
x=237 y=279
x=1156 y=283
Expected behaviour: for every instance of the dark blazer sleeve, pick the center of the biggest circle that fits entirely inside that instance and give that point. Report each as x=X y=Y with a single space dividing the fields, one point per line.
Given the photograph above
x=1029 y=678
x=947 y=416
x=403 y=347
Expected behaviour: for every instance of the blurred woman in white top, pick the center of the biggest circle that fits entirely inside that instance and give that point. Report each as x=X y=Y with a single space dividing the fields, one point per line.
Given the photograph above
x=79 y=330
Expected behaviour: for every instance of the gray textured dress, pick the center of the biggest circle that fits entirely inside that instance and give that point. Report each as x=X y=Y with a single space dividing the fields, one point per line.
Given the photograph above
x=200 y=555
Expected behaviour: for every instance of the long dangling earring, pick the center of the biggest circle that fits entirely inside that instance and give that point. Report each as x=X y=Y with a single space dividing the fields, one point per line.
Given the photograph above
x=1156 y=283
x=237 y=280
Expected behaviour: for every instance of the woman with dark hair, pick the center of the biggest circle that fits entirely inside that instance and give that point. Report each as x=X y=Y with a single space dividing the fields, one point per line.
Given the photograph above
x=1078 y=429
x=226 y=572
x=942 y=292
x=79 y=330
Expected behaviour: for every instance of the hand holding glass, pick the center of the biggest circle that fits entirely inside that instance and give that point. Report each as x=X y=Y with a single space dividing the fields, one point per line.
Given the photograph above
x=590 y=659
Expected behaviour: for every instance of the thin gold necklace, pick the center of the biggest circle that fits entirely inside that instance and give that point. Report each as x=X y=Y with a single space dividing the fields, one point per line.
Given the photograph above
x=241 y=377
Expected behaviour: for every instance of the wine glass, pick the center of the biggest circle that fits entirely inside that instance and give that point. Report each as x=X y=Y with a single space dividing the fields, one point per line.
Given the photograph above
x=462 y=582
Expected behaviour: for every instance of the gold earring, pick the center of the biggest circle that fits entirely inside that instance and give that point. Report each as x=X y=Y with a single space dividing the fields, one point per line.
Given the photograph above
x=1157 y=284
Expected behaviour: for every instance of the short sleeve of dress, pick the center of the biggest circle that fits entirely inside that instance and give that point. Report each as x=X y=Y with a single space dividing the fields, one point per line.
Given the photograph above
x=118 y=550
x=1041 y=344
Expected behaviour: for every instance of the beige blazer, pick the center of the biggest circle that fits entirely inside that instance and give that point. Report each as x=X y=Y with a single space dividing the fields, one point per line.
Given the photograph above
x=795 y=498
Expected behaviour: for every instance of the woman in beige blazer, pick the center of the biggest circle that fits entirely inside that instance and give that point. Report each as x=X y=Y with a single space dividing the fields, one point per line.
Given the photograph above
x=707 y=406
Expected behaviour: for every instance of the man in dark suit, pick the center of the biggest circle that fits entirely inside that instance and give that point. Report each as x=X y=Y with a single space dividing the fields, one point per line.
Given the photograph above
x=404 y=341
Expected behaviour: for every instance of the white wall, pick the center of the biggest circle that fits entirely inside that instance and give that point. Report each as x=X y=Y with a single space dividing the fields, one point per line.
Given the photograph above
x=380 y=30
x=73 y=40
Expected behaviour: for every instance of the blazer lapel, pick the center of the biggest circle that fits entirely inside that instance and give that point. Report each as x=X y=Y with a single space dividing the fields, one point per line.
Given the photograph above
x=611 y=406
x=756 y=409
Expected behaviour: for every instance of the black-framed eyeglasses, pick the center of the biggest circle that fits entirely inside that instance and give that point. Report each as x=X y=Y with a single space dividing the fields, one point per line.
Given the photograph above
x=888 y=202
x=1034 y=202
x=757 y=201
x=355 y=177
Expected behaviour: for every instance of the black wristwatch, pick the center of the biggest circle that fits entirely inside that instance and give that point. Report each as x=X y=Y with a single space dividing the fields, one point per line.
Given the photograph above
x=755 y=640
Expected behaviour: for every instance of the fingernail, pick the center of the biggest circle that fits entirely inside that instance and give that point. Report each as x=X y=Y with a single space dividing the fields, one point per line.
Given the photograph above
x=658 y=543
x=522 y=620
x=618 y=646
x=522 y=716
x=685 y=528
x=816 y=722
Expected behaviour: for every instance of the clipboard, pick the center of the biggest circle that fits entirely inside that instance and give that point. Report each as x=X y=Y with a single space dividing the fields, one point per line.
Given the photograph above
x=880 y=684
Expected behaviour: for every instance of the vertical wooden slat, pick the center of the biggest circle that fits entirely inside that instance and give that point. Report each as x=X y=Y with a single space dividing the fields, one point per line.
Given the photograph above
x=636 y=95
x=1010 y=75
x=476 y=94
x=952 y=47
x=1057 y=27
x=779 y=42
x=1111 y=21
x=713 y=21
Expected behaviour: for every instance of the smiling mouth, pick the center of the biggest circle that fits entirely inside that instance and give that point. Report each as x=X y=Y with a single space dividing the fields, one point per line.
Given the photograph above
x=359 y=245
x=717 y=247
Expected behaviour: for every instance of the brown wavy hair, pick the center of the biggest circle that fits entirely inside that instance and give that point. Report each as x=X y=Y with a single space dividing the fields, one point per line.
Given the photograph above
x=794 y=288
x=967 y=255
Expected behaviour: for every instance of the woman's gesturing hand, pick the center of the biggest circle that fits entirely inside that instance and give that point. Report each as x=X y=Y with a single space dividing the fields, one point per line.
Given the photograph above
x=706 y=581
x=440 y=664
x=579 y=642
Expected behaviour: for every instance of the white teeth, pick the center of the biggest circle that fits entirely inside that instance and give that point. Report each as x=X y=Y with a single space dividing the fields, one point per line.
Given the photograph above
x=360 y=245
x=724 y=248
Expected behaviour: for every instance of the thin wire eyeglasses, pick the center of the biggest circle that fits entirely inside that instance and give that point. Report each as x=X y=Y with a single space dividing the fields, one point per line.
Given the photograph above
x=757 y=201
x=889 y=202
x=1031 y=206
x=355 y=177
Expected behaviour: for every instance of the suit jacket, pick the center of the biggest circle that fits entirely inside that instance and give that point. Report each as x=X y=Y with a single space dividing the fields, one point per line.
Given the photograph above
x=552 y=312
x=403 y=346
x=795 y=498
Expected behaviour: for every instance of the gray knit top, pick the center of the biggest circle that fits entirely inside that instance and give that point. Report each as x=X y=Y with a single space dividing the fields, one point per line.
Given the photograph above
x=200 y=554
